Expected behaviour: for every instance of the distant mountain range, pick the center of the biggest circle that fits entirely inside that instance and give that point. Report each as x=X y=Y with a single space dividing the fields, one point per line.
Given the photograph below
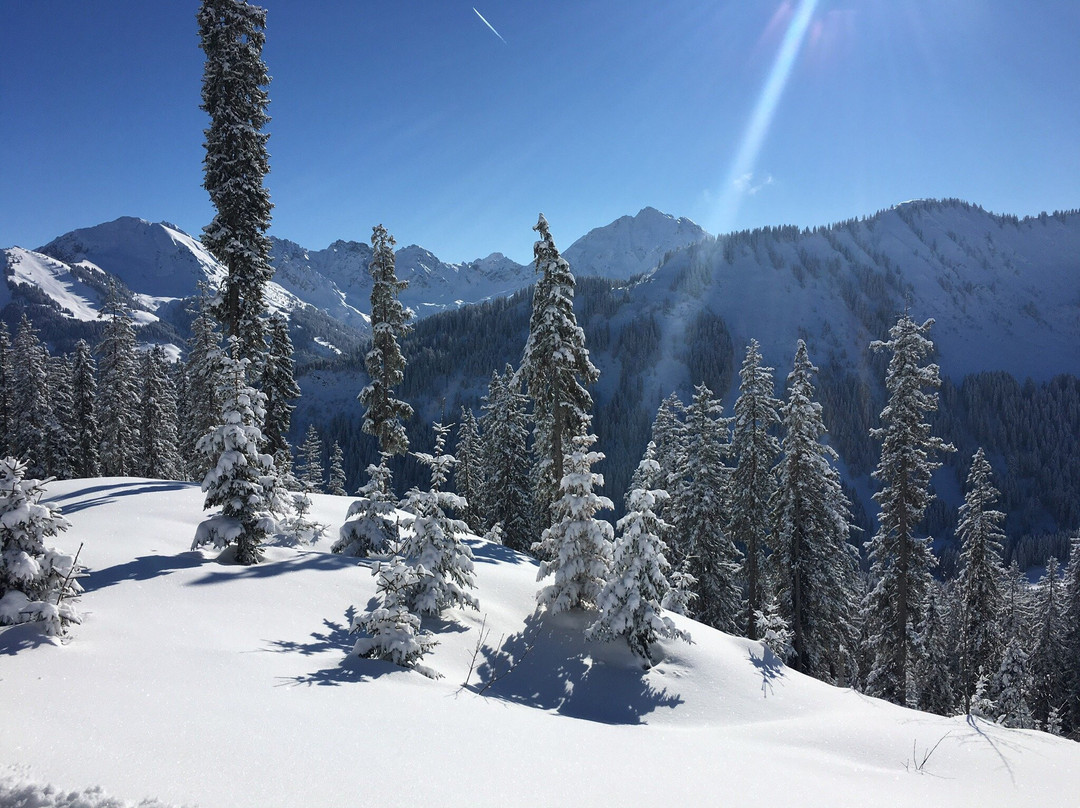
x=327 y=291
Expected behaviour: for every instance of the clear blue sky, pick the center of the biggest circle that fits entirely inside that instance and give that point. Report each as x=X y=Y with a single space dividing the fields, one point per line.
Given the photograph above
x=415 y=114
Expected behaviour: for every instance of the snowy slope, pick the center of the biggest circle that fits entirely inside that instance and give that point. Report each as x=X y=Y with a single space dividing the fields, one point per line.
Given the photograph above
x=56 y=279
x=200 y=682
x=155 y=259
x=1005 y=293
x=631 y=245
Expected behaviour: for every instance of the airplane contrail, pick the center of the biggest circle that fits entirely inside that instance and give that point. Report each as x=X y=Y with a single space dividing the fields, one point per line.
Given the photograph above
x=489 y=25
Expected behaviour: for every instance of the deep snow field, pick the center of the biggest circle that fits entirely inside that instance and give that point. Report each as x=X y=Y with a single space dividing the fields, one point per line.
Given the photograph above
x=194 y=681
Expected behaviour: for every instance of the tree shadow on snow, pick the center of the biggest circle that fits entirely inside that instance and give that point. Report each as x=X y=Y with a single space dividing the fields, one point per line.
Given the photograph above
x=116 y=490
x=142 y=568
x=272 y=568
x=22 y=636
x=485 y=552
x=552 y=669
x=769 y=666
x=336 y=636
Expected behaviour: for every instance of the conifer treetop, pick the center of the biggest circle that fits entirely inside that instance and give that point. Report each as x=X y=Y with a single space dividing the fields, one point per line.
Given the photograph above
x=384 y=362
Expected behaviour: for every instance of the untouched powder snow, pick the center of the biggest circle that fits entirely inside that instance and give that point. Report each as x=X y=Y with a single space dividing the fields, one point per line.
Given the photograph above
x=197 y=682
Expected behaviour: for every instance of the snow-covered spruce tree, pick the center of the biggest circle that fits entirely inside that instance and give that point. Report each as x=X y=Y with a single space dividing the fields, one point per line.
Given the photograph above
x=36 y=582
x=1010 y=687
x=1071 y=661
x=310 y=470
x=393 y=631
x=666 y=436
x=469 y=472
x=32 y=410
x=773 y=630
x=754 y=450
x=435 y=543
x=578 y=545
x=555 y=368
x=680 y=596
x=336 y=483
x=1016 y=606
x=232 y=34
x=814 y=567
x=118 y=392
x=630 y=601
x=932 y=674
x=241 y=478
x=84 y=400
x=6 y=385
x=699 y=513
x=979 y=585
x=1046 y=663
x=159 y=456
x=201 y=406
x=385 y=365
x=280 y=387
x=371 y=523
x=58 y=450
x=506 y=496
x=901 y=559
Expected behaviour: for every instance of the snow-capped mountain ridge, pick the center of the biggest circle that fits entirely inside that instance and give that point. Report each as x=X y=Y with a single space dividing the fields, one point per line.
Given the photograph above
x=981 y=275
x=631 y=245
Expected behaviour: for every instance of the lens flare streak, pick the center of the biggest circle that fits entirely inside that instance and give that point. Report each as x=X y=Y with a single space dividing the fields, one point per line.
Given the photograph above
x=764 y=110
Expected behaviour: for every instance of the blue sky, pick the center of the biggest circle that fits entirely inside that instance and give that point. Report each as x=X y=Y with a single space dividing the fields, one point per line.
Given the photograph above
x=415 y=114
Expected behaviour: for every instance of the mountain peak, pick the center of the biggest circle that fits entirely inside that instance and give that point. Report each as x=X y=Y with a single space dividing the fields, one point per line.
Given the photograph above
x=631 y=245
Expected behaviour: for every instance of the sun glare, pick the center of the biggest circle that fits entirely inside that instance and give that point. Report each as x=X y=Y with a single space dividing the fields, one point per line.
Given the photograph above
x=796 y=18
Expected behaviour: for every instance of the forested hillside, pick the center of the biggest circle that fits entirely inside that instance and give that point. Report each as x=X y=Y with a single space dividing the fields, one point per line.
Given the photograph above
x=1004 y=293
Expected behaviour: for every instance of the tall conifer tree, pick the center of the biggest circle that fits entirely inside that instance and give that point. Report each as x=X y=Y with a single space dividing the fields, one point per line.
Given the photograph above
x=371 y=524
x=336 y=483
x=699 y=513
x=1071 y=650
x=232 y=35
x=1047 y=661
x=469 y=471
x=555 y=369
x=755 y=450
x=159 y=457
x=507 y=496
x=7 y=382
x=979 y=585
x=118 y=393
x=201 y=406
x=33 y=414
x=384 y=414
x=900 y=558
x=279 y=384
x=814 y=567
x=84 y=396
x=59 y=449
x=310 y=470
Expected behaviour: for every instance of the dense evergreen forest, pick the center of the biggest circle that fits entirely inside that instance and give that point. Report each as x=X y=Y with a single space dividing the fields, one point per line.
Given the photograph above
x=1030 y=431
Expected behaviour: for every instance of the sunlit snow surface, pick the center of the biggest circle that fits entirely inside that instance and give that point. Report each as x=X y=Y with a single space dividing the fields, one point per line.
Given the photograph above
x=198 y=682
x=53 y=278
